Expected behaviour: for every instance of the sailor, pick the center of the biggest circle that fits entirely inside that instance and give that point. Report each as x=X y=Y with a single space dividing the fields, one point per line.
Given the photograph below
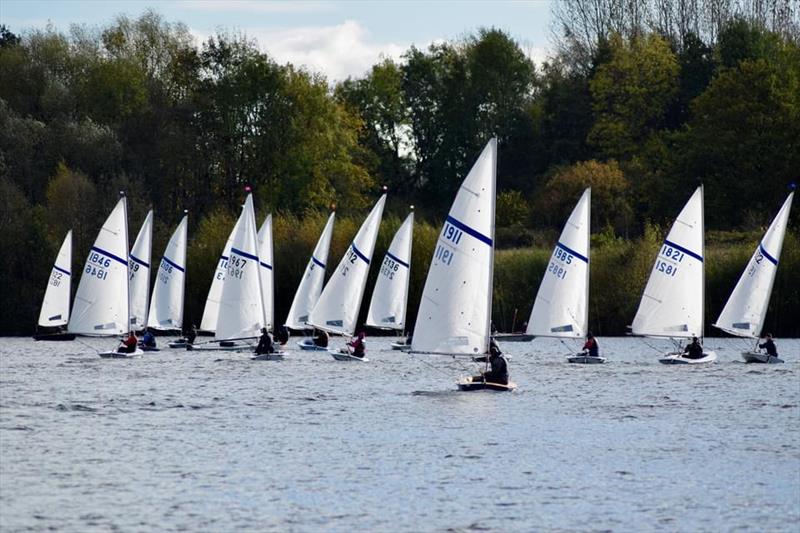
x=129 y=344
x=693 y=350
x=591 y=345
x=264 y=343
x=499 y=368
x=769 y=346
x=321 y=339
x=149 y=340
x=358 y=346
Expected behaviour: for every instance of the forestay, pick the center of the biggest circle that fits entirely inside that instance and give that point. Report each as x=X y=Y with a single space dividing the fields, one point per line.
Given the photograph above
x=387 y=309
x=139 y=265
x=55 y=306
x=455 y=310
x=744 y=313
x=101 y=303
x=266 y=270
x=166 y=307
x=313 y=278
x=672 y=303
x=561 y=308
x=337 y=309
x=241 y=309
x=211 y=310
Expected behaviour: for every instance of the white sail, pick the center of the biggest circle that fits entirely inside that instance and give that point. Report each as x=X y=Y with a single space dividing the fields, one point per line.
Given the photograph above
x=744 y=313
x=55 y=305
x=211 y=310
x=561 y=308
x=102 y=302
x=337 y=309
x=313 y=279
x=241 y=309
x=139 y=266
x=265 y=268
x=672 y=303
x=455 y=311
x=388 y=306
x=166 y=307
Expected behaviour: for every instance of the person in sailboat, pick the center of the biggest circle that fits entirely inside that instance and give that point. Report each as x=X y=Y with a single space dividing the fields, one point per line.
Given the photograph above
x=694 y=350
x=498 y=372
x=265 y=345
x=128 y=344
x=358 y=346
x=321 y=339
x=148 y=340
x=769 y=346
x=590 y=347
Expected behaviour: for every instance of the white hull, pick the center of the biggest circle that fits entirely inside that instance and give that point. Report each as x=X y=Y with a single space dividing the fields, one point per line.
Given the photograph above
x=177 y=344
x=403 y=347
x=582 y=359
x=308 y=345
x=340 y=355
x=117 y=355
x=217 y=348
x=760 y=357
x=274 y=356
x=677 y=358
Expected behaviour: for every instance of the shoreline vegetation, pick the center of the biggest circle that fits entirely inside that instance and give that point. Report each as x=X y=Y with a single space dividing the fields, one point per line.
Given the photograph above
x=640 y=105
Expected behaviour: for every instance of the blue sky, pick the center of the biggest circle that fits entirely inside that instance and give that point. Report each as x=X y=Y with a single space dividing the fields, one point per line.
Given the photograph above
x=338 y=38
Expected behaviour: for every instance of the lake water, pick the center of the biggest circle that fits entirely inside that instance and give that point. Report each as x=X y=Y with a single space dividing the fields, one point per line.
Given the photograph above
x=183 y=441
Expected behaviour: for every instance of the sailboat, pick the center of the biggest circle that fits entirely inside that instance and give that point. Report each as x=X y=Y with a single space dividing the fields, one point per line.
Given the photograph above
x=166 y=305
x=561 y=308
x=139 y=266
x=265 y=269
x=55 y=305
x=454 y=315
x=387 y=309
x=102 y=303
x=743 y=314
x=672 y=303
x=311 y=287
x=337 y=309
x=211 y=311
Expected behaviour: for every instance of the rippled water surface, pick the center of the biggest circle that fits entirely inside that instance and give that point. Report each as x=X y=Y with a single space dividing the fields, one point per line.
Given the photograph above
x=216 y=442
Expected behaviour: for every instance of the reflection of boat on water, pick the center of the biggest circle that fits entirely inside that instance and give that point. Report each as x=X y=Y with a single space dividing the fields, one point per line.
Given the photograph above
x=454 y=315
x=743 y=314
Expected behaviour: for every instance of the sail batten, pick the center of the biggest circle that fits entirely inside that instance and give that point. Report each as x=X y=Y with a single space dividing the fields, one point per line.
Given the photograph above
x=746 y=308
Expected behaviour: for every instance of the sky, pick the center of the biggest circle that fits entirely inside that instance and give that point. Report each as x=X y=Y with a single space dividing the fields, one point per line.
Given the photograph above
x=336 y=38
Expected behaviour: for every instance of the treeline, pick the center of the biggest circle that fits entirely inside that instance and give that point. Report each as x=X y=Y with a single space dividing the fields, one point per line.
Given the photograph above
x=642 y=101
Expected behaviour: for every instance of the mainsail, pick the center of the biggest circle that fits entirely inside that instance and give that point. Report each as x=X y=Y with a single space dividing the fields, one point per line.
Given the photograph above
x=102 y=301
x=55 y=305
x=265 y=269
x=337 y=309
x=139 y=266
x=561 y=308
x=387 y=309
x=313 y=278
x=211 y=310
x=241 y=309
x=166 y=307
x=455 y=311
x=672 y=303
x=744 y=313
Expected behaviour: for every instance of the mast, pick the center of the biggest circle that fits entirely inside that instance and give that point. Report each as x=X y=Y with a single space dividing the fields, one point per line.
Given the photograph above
x=703 y=264
x=127 y=258
x=588 y=263
x=185 y=271
x=491 y=256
